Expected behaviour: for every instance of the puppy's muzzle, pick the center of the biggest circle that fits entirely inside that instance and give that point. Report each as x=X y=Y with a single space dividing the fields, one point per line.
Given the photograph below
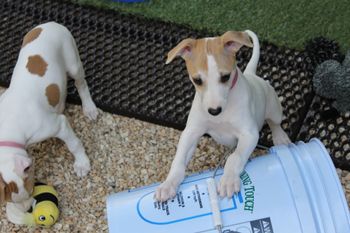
x=215 y=111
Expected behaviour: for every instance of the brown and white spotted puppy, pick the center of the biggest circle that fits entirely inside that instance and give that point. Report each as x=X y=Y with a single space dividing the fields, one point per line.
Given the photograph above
x=31 y=108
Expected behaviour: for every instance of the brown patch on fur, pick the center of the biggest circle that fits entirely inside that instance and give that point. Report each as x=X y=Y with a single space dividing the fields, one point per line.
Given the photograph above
x=214 y=47
x=9 y=189
x=31 y=35
x=224 y=59
x=195 y=52
x=36 y=65
x=2 y=190
x=181 y=50
x=240 y=37
x=53 y=94
x=6 y=190
x=198 y=60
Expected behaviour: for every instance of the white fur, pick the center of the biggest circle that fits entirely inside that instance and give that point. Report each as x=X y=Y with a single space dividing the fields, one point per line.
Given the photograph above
x=244 y=110
x=25 y=114
x=215 y=95
x=17 y=212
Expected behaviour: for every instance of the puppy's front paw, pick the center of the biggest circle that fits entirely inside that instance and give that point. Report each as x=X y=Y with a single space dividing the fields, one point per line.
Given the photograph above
x=165 y=191
x=82 y=167
x=229 y=185
x=279 y=137
x=90 y=111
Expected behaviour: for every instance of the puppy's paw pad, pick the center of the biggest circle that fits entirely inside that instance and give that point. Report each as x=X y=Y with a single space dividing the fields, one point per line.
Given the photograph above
x=165 y=191
x=90 y=111
x=82 y=167
x=228 y=186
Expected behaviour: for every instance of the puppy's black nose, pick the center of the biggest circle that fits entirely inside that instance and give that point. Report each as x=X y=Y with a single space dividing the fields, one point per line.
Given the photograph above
x=215 y=111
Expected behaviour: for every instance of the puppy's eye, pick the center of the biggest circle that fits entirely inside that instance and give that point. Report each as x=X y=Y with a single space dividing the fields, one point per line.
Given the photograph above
x=198 y=81
x=225 y=78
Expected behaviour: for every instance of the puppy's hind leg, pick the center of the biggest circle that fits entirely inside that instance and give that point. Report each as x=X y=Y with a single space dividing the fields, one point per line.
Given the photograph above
x=76 y=71
x=66 y=134
x=274 y=115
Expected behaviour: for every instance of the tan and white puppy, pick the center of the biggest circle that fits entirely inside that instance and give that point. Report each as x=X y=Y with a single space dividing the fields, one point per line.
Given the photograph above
x=31 y=108
x=229 y=105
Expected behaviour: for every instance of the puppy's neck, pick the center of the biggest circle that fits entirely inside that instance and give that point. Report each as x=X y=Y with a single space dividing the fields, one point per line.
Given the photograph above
x=12 y=135
x=238 y=81
x=8 y=147
x=234 y=79
x=238 y=87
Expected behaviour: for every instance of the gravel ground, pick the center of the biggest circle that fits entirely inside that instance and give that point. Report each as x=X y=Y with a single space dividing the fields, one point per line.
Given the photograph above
x=125 y=153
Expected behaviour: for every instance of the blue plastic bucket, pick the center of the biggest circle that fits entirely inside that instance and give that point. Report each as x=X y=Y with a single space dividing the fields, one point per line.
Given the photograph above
x=292 y=189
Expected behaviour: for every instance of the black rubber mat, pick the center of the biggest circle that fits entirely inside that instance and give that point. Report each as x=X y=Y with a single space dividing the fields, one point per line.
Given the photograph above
x=321 y=49
x=332 y=130
x=124 y=58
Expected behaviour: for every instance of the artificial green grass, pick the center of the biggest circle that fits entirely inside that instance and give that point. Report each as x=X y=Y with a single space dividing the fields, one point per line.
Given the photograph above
x=283 y=22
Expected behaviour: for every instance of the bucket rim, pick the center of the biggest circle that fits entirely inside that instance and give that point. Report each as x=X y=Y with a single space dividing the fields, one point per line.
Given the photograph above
x=301 y=152
x=333 y=174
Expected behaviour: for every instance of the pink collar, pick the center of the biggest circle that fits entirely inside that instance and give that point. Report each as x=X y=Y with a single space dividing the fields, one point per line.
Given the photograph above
x=12 y=144
x=234 y=80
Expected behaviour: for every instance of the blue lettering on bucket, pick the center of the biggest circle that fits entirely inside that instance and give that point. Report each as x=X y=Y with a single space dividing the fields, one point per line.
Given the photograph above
x=249 y=191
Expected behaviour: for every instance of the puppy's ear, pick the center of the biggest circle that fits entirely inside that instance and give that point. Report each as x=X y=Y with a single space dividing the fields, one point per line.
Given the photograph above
x=22 y=164
x=233 y=41
x=183 y=49
x=2 y=190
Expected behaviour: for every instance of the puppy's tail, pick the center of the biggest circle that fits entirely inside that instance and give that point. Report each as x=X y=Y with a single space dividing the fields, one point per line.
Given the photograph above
x=253 y=63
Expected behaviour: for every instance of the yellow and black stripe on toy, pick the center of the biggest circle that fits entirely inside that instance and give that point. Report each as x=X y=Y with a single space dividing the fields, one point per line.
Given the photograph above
x=44 y=211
